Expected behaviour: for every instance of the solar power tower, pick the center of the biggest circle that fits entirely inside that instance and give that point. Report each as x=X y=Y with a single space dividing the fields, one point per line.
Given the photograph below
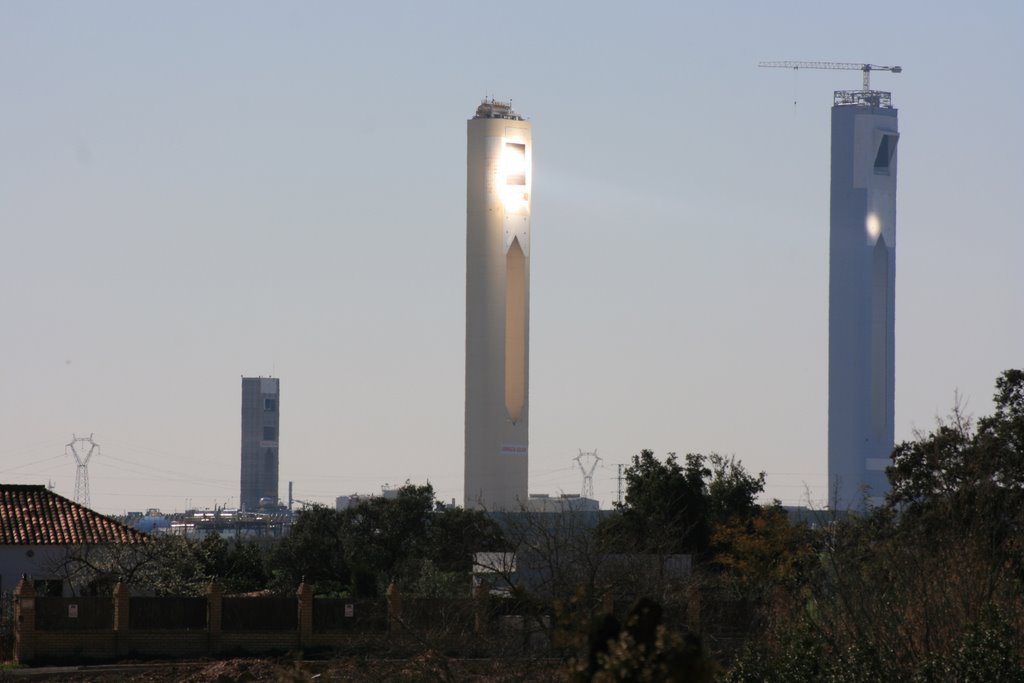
x=862 y=288
x=499 y=188
x=861 y=297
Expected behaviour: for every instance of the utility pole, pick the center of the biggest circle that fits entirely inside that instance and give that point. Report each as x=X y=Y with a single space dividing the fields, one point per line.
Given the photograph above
x=620 y=483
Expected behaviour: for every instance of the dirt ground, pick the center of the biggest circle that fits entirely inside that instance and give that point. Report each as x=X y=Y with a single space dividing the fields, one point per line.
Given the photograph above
x=426 y=667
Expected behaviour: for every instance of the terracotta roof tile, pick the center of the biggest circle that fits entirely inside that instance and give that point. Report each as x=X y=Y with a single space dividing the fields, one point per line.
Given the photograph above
x=34 y=515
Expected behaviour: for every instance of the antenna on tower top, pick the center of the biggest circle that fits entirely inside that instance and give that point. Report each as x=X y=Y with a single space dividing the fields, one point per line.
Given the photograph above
x=588 y=471
x=82 y=473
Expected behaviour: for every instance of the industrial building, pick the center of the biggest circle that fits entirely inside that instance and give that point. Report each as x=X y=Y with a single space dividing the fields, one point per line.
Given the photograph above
x=261 y=411
x=498 y=201
x=862 y=296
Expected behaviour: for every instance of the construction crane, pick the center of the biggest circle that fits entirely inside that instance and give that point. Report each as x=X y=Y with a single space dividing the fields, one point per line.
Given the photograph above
x=844 y=66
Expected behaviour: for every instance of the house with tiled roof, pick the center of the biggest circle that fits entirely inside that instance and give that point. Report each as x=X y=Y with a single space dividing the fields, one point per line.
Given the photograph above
x=38 y=528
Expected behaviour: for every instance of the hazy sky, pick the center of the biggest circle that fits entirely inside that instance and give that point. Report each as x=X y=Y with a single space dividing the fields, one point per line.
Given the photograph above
x=193 y=191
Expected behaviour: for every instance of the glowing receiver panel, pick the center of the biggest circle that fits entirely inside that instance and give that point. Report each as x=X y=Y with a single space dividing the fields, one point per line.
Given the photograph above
x=515 y=331
x=515 y=193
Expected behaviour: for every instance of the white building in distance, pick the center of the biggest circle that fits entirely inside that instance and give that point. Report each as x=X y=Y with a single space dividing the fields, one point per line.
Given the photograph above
x=862 y=297
x=498 y=200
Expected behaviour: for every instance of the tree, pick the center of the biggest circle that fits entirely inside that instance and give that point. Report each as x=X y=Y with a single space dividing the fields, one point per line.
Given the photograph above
x=665 y=506
x=455 y=534
x=957 y=461
x=385 y=538
x=407 y=538
x=165 y=565
x=732 y=491
x=925 y=587
x=313 y=552
x=761 y=556
x=672 y=507
x=966 y=484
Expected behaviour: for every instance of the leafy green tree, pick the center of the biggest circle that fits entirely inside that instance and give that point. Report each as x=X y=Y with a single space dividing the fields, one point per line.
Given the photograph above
x=965 y=485
x=314 y=552
x=455 y=534
x=245 y=568
x=385 y=538
x=927 y=586
x=239 y=566
x=166 y=565
x=411 y=540
x=672 y=506
x=665 y=506
x=732 y=491
x=957 y=464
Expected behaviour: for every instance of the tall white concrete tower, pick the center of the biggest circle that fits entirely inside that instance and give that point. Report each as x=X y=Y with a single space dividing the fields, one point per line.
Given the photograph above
x=498 y=200
x=862 y=297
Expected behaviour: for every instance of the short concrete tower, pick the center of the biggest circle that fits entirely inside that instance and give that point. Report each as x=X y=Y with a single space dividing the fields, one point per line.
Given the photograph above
x=498 y=199
x=261 y=406
x=862 y=298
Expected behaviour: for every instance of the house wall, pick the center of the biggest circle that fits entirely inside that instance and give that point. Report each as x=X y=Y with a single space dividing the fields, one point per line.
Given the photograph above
x=38 y=562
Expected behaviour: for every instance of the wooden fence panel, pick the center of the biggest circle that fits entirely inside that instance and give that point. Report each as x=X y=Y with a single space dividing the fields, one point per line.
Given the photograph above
x=260 y=614
x=167 y=613
x=74 y=614
x=340 y=614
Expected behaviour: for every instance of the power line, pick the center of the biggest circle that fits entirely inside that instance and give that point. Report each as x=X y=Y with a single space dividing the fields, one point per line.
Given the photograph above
x=34 y=462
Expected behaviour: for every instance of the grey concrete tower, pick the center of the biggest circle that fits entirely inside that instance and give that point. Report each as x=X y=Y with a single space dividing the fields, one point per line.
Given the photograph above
x=261 y=405
x=862 y=297
x=498 y=199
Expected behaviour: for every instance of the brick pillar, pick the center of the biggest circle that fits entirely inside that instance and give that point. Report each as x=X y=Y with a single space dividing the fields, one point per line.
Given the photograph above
x=214 y=612
x=305 y=595
x=122 y=613
x=481 y=601
x=394 y=608
x=24 y=621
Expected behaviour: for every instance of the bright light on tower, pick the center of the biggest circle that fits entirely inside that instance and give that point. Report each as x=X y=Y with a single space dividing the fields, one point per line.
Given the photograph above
x=515 y=193
x=873 y=226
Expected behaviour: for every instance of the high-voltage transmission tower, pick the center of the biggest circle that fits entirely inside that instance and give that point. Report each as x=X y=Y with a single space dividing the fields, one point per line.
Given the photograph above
x=843 y=66
x=588 y=471
x=82 y=473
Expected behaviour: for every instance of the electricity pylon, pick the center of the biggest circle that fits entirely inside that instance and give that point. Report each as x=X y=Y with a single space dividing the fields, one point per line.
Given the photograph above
x=82 y=473
x=588 y=472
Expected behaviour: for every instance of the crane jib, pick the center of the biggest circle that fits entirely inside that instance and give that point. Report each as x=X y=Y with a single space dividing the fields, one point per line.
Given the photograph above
x=843 y=66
